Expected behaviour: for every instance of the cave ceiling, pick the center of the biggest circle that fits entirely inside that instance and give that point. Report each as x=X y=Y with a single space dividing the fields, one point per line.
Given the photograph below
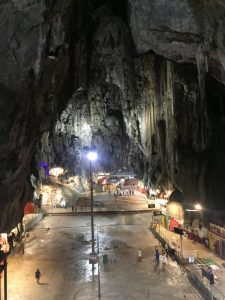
x=142 y=80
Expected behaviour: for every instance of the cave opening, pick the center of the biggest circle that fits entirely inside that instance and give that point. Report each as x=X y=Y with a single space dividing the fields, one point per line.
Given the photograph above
x=119 y=116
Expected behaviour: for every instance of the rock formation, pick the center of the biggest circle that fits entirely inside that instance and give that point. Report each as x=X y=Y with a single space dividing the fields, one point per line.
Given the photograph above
x=142 y=80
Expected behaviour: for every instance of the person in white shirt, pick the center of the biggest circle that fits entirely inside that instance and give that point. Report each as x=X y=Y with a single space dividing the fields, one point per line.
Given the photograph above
x=139 y=256
x=164 y=261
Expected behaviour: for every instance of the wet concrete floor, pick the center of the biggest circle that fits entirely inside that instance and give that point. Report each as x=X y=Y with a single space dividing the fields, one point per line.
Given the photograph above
x=61 y=254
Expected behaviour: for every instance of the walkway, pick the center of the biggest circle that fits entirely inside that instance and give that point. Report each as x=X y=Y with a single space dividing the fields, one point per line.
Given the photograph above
x=204 y=254
x=106 y=202
x=61 y=253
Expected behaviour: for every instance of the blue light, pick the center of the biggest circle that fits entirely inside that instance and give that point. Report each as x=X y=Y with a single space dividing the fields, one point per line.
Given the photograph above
x=45 y=166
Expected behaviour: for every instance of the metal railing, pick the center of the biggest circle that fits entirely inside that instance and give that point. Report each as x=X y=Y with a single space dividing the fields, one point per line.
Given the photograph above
x=211 y=290
x=183 y=256
x=193 y=270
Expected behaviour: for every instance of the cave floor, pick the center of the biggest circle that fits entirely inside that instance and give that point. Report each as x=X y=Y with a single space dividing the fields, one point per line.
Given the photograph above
x=61 y=254
x=107 y=202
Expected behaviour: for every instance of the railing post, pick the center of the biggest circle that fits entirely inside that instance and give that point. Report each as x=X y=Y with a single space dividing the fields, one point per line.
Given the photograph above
x=211 y=291
x=99 y=283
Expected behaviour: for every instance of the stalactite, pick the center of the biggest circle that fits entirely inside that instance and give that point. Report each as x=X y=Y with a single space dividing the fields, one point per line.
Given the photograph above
x=202 y=65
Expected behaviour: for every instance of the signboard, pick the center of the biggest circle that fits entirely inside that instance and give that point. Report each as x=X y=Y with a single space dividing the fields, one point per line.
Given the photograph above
x=157 y=213
x=179 y=231
x=151 y=205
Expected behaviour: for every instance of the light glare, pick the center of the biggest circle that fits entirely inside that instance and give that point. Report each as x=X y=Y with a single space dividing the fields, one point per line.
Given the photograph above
x=92 y=155
x=198 y=207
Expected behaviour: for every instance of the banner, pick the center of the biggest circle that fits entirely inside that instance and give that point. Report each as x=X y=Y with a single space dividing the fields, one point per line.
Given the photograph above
x=4 y=243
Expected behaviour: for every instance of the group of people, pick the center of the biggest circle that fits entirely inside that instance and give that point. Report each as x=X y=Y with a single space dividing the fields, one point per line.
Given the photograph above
x=160 y=257
x=163 y=257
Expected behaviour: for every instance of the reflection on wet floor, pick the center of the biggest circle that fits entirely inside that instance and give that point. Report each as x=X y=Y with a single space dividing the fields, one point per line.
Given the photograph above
x=62 y=254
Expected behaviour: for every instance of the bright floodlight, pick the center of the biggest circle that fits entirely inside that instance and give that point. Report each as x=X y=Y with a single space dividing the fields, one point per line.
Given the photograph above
x=198 y=207
x=92 y=155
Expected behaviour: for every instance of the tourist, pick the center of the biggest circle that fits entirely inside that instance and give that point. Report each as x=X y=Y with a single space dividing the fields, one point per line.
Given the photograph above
x=38 y=276
x=164 y=261
x=139 y=256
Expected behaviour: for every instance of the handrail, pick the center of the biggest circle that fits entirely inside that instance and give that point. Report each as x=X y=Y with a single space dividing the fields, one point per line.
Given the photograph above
x=194 y=274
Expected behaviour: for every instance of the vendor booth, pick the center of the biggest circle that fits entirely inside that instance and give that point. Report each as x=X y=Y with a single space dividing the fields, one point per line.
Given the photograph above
x=217 y=240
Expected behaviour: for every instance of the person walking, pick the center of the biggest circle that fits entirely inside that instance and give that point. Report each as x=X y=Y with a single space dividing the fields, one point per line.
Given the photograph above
x=157 y=255
x=172 y=252
x=167 y=250
x=139 y=256
x=164 y=261
x=38 y=276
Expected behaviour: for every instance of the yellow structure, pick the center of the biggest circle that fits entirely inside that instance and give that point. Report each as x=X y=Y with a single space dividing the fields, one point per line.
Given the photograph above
x=217 y=240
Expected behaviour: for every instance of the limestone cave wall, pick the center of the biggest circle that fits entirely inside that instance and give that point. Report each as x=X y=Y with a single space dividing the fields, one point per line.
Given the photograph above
x=141 y=80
